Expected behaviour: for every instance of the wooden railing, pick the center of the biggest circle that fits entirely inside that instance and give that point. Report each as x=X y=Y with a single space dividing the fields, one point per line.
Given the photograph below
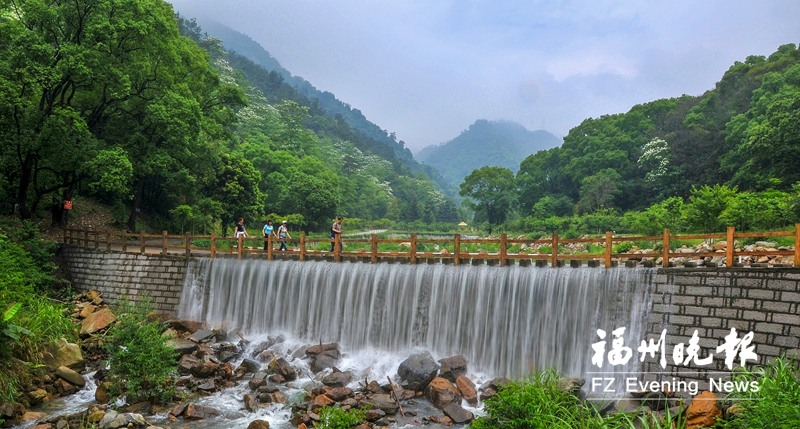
x=165 y=243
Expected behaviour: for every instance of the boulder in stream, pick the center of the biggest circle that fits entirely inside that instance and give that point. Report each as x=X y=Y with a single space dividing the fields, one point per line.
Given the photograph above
x=418 y=370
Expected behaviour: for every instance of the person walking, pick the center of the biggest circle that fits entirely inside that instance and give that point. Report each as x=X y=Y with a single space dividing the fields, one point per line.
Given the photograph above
x=336 y=229
x=267 y=231
x=240 y=231
x=283 y=233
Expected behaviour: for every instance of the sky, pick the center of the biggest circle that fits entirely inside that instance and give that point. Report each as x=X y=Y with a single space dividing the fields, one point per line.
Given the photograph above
x=427 y=69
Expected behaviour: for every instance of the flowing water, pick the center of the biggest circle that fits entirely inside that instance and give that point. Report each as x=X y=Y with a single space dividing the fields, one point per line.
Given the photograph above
x=505 y=321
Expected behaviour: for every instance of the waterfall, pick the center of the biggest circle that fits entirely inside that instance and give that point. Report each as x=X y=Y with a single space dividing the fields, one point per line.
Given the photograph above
x=505 y=320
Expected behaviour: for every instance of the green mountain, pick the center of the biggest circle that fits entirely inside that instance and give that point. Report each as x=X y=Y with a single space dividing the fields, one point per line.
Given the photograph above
x=485 y=143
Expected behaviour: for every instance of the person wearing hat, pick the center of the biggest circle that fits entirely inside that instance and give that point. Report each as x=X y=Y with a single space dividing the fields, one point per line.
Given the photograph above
x=283 y=233
x=336 y=229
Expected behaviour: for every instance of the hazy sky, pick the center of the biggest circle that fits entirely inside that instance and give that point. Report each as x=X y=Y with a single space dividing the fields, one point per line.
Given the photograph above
x=428 y=69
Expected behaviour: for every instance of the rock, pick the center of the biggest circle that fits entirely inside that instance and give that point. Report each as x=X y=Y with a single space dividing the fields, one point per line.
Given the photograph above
x=208 y=386
x=64 y=387
x=458 y=414
x=279 y=398
x=495 y=383
x=89 y=309
x=277 y=379
x=184 y=325
x=113 y=420
x=43 y=426
x=571 y=384
x=96 y=416
x=281 y=367
x=258 y=424
x=32 y=415
x=767 y=244
x=703 y=412
x=101 y=393
x=339 y=394
x=177 y=410
x=204 y=369
x=487 y=393
x=418 y=370
x=467 y=389
x=202 y=336
x=71 y=376
x=62 y=354
x=441 y=392
x=630 y=405
x=199 y=412
x=251 y=365
x=187 y=363
x=374 y=414
x=337 y=379
x=250 y=403
x=452 y=367
x=96 y=321
x=383 y=402
x=227 y=355
x=37 y=396
x=321 y=401
x=255 y=383
x=323 y=356
x=182 y=345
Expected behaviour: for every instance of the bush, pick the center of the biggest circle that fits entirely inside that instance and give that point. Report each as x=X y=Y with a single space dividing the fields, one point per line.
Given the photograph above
x=624 y=247
x=777 y=402
x=141 y=363
x=337 y=418
x=539 y=402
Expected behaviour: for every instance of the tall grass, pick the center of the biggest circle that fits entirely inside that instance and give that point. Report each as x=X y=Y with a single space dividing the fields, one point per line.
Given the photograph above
x=776 y=404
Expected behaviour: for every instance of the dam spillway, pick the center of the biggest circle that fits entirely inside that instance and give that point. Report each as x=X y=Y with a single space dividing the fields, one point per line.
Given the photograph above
x=506 y=321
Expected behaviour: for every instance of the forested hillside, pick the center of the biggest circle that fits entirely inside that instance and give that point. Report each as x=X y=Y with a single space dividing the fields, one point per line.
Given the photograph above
x=125 y=103
x=496 y=143
x=745 y=132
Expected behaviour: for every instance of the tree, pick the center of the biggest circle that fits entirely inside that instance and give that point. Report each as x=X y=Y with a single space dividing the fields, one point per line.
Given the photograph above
x=490 y=191
x=706 y=204
x=599 y=190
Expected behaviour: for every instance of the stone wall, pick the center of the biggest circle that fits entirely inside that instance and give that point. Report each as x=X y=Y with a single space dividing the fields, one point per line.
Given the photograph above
x=711 y=301
x=118 y=275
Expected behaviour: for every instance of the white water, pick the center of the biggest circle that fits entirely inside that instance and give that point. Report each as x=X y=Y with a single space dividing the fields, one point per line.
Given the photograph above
x=507 y=321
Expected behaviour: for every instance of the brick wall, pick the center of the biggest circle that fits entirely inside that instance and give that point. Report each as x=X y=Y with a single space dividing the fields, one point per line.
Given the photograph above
x=128 y=275
x=712 y=301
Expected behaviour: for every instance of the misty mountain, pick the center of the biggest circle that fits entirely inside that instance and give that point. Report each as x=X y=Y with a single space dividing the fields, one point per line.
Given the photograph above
x=493 y=143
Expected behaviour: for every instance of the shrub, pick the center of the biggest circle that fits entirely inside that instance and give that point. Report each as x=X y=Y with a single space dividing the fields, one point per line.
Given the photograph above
x=539 y=402
x=337 y=418
x=141 y=363
x=624 y=247
x=776 y=404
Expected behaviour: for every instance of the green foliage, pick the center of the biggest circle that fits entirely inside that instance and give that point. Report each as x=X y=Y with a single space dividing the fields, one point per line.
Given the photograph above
x=333 y=417
x=599 y=190
x=141 y=363
x=706 y=205
x=624 y=247
x=775 y=405
x=539 y=402
x=490 y=192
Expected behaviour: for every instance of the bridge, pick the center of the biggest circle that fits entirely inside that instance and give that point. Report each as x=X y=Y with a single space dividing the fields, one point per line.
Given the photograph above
x=414 y=249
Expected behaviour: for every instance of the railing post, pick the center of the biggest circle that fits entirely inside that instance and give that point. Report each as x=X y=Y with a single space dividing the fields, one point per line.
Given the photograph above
x=503 y=248
x=413 y=250
x=240 y=246
x=213 y=245
x=456 y=249
x=609 y=248
x=124 y=241
x=337 y=252
x=96 y=240
x=188 y=243
x=269 y=247
x=302 y=246
x=374 y=251
x=665 y=250
x=65 y=231
x=108 y=241
x=164 y=243
x=797 y=245
x=142 y=244
x=729 y=247
x=86 y=238
x=555 y=250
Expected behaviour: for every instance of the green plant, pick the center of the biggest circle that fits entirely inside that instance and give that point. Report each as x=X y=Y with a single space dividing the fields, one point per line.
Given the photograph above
x=776 y=402
x=337 y=418
x=141 y=363
x=624 y=247
x=538 y=402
